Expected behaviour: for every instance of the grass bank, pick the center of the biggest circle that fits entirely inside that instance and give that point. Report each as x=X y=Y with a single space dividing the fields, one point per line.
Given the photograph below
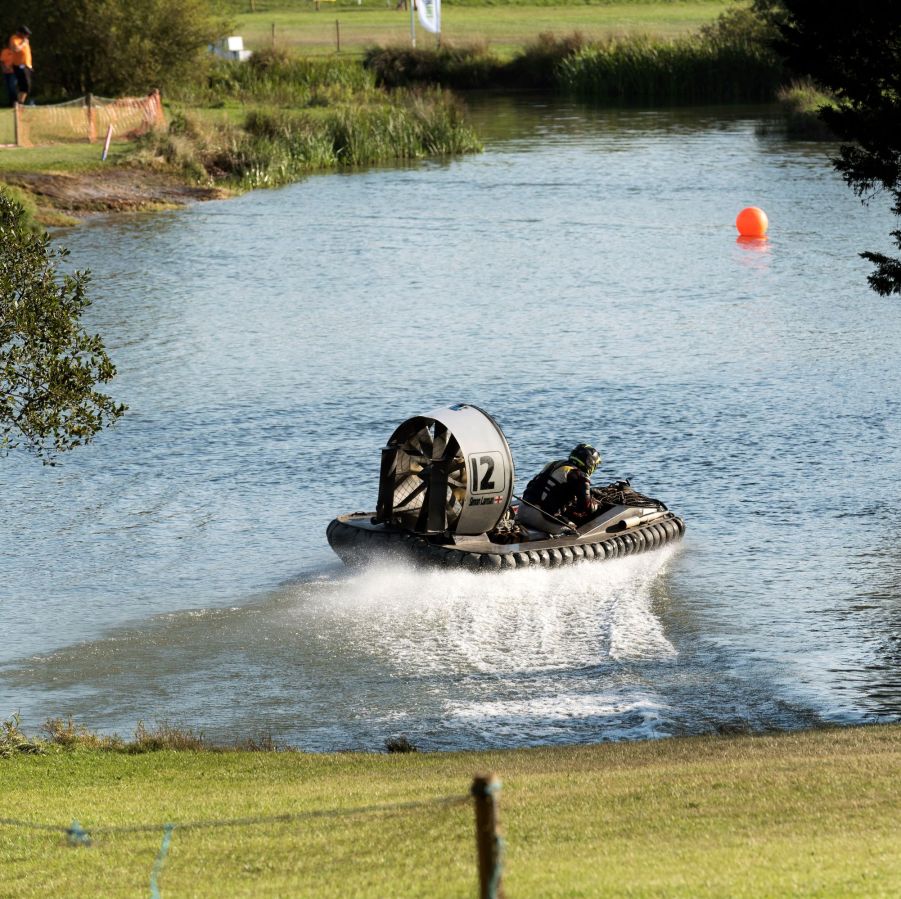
x=814 y=813
x=256 y=125
x=274 y=146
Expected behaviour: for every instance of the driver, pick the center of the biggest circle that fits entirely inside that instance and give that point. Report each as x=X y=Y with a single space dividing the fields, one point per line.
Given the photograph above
x=559 y=497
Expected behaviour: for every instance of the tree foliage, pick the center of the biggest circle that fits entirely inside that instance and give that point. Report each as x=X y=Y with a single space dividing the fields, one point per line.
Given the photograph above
x=855 y=54
x=115 y=47
x=49 y=365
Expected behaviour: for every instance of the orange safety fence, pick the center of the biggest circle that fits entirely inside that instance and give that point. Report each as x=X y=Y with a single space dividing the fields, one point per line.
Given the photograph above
x=87 y=119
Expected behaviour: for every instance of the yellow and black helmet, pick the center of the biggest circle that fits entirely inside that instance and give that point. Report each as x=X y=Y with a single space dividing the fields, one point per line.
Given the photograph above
x=586 y=457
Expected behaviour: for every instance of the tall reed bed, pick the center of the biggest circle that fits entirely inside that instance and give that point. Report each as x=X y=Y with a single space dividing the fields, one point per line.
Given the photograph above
x=462 y=67
x=730 y=60
x=277 y=78
x=691 y=70
x=277 y=146
x=472 y=66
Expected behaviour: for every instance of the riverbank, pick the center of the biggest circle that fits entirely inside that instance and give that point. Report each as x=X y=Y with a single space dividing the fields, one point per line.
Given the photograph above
x=282 y=115
x=208 y=153
x=58 y=194
x=809 y=813
x=61 y=184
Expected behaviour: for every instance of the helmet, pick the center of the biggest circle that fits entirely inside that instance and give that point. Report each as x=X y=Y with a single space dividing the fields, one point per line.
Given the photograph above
x=586 y=457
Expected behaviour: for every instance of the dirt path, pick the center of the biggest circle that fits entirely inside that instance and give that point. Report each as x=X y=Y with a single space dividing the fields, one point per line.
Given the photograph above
x=112 y=190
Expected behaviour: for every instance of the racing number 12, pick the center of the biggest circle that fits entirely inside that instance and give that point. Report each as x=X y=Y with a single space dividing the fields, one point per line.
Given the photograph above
x=484 y=466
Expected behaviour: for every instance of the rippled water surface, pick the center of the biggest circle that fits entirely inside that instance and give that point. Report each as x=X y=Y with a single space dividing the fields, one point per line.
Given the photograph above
x=581 y=280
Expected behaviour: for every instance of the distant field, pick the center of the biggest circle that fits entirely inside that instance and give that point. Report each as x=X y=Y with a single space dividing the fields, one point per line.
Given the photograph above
x=503 y=28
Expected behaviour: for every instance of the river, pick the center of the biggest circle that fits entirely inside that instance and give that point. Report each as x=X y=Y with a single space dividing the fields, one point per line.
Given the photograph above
x=582 y=281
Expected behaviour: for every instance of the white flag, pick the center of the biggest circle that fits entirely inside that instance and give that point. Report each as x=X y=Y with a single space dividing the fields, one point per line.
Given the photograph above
x=430 y=15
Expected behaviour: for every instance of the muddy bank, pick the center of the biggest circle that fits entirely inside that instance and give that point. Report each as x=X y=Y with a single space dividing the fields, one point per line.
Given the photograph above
x=110 y=190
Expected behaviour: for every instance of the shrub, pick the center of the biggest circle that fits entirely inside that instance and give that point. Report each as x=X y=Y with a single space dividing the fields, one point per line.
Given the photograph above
x=461 y=68
x=164 y=736
x=116 y=47
x=538 y=64
x=68 y=735
x=400 y=744
x=13 y=741
x=800 y=103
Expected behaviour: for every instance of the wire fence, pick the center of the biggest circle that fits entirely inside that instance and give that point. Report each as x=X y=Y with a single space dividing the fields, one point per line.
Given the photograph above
x=87 y=119
x=489 y=845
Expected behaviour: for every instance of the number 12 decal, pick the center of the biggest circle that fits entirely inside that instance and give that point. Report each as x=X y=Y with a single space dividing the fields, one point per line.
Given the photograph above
x=481 y=470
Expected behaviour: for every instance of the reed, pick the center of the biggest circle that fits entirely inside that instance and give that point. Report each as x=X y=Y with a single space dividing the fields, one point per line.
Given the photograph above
x=728 y=60
x=692 y=70
x=275 y=77
x=473 y=66
x=464 y=67
x=276 y=146
x=800 y=103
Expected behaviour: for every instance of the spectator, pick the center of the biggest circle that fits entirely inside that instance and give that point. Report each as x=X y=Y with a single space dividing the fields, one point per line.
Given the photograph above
x=21 y=47
x=7 y=57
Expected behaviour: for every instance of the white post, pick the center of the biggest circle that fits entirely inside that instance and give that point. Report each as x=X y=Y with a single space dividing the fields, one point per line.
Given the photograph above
x=412 y=23
x=106 y=143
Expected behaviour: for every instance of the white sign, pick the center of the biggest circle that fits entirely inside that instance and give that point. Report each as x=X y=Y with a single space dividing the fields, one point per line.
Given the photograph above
x=430 y=15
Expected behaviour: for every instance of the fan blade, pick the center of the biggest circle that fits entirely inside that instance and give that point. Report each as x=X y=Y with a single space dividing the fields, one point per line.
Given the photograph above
x=427 y=440
x=411 y=496
x=413 y=446
x=439 y=445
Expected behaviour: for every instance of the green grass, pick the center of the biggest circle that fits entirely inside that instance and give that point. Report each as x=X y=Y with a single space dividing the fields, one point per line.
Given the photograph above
x=813 y=813
x=60 y=157
x=800 y=103
x=504 y=28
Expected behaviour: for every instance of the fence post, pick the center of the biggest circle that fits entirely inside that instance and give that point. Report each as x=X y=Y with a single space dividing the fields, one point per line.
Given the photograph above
x=16 y=122
x=92 y=125
x=156 y=101
x=485 y=788
x=338 y=34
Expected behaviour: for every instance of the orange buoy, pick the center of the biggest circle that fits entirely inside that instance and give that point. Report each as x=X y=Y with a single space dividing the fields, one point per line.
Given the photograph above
x=752 y=222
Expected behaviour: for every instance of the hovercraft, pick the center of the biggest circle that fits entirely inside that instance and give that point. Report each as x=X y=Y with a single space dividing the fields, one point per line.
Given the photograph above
x=446 y=498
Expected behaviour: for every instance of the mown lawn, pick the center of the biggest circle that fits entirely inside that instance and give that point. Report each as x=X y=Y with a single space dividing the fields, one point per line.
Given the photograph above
x=73 y=157
x=805 y=814
x=502 y=28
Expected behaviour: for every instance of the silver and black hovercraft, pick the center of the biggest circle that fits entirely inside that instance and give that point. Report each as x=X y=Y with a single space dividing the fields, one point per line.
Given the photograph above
x=446 y=498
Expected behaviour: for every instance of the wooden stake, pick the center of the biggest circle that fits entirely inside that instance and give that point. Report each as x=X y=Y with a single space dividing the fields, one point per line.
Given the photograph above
x=92 y=125
x=485 y=788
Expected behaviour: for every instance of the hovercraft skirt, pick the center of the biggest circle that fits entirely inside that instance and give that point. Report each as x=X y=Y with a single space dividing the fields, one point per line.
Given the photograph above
x=358 y=541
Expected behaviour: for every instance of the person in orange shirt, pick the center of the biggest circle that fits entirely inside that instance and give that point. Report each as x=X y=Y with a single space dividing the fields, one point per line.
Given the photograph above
x=7 y=57
x=21 y=49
